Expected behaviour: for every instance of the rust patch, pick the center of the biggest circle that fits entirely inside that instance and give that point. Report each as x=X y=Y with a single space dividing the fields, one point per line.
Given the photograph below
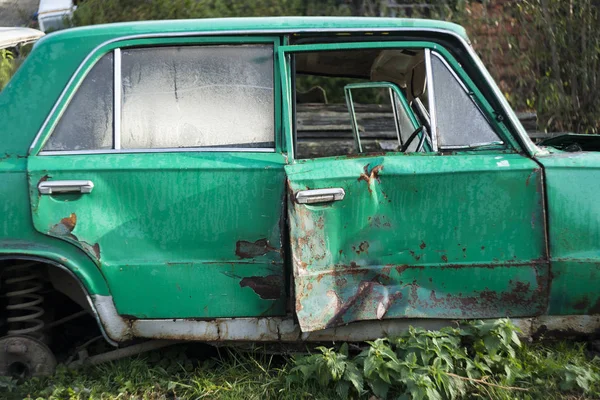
x=364 y=288
x=65 y=227
x=360 y=155
x=422 y=245
x=595 y=309
x=444 y=258
x=96 y=250
x=370 y=176
x=69 y=222
x=401 y=268
x=533 y=173
x=244 y=249
x=320 y=223
x=43 y=179
x=378 y=222
x=363 y=247
x=582 y=304
x=416 y=257
x=266 y=287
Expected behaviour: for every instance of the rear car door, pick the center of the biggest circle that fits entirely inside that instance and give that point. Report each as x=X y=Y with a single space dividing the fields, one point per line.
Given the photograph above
x=163 y=163
x=453 y=231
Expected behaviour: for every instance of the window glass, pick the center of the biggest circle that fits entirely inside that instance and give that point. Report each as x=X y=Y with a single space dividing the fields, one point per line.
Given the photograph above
x=209 y=96
x=87 y=123
x=405 y=125
x=340 y=91
x=460 y=122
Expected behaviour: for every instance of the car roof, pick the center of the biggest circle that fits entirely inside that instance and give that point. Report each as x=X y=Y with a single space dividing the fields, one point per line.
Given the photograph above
x=10 y=37
x=261 y=24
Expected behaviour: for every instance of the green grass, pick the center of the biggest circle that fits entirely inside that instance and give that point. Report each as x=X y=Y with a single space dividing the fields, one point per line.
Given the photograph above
x=484 y=361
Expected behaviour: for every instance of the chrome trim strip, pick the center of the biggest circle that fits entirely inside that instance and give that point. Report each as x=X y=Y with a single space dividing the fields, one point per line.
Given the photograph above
x=117 y=100
x=514 y=121
x=473 y=145
x=169 y=150
x=431 y=101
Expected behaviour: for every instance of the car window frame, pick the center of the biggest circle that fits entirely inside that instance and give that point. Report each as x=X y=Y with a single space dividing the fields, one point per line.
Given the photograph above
x=394 y=93
x=94 y=56
x=503 y=132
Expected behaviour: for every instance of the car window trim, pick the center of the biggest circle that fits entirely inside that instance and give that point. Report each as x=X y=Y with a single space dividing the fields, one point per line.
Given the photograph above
x=118 y=98
x=431 y=102
x=161 y=150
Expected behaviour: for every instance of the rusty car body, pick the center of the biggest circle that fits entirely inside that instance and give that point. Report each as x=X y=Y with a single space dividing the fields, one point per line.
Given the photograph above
x=162 y=176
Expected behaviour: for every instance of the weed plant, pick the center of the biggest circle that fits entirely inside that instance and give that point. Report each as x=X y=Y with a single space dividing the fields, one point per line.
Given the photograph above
x=477 y=360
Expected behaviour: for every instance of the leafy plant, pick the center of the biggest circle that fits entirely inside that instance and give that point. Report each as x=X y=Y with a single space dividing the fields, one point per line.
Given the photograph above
x=7 y=67
x=482 y=359
x=328 y=368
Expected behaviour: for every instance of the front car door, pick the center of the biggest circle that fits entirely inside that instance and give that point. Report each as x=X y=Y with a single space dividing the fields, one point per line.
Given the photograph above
x=163 y=163
x=455 y=229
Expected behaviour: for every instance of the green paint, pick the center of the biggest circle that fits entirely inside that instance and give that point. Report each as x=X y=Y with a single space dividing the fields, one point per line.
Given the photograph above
x=163 y=224
x=574 y=226
x=19 y=237
x=202 y=234
x=442 y=218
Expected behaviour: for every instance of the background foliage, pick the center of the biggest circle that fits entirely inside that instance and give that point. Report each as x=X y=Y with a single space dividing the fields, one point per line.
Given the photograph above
x=544 y=53
x=6 y=67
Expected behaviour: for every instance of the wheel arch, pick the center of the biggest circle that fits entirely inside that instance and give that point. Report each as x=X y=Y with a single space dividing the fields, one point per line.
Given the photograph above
x=88 y=279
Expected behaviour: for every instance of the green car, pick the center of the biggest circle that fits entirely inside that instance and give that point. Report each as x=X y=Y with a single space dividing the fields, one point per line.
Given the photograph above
x=282 y=179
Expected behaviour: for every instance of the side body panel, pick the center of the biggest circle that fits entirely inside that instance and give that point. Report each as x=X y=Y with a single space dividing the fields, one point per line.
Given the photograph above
x=573 y=188
x=419 y=236
x=19 y=238
x=177 y=235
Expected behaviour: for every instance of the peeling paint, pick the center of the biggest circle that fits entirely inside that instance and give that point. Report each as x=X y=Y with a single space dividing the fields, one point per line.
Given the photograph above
x=245 y=249
x=65 y=227
x=370 y=176
x=266 y=287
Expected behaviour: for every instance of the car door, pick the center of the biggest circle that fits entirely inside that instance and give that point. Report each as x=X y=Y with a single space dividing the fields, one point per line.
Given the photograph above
x=454 y=232
x=162 y=162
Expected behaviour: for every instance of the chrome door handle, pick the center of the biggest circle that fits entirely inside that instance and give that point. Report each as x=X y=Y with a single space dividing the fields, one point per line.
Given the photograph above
x=52 y=187
x=320 y=195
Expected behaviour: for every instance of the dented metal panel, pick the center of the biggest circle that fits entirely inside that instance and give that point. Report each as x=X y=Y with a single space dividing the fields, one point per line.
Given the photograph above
x=419 y=236
x=176 y=235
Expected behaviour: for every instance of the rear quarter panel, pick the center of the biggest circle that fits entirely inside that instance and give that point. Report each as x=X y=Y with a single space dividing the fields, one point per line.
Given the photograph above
x=573 y=192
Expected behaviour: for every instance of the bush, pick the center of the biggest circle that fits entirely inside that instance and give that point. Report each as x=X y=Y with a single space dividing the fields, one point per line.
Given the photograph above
x=476 y=360
x=552 y=52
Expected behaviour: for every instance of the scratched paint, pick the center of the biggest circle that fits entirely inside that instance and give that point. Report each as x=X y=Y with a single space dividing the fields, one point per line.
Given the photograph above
x=415 y=239
x=182 y=235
